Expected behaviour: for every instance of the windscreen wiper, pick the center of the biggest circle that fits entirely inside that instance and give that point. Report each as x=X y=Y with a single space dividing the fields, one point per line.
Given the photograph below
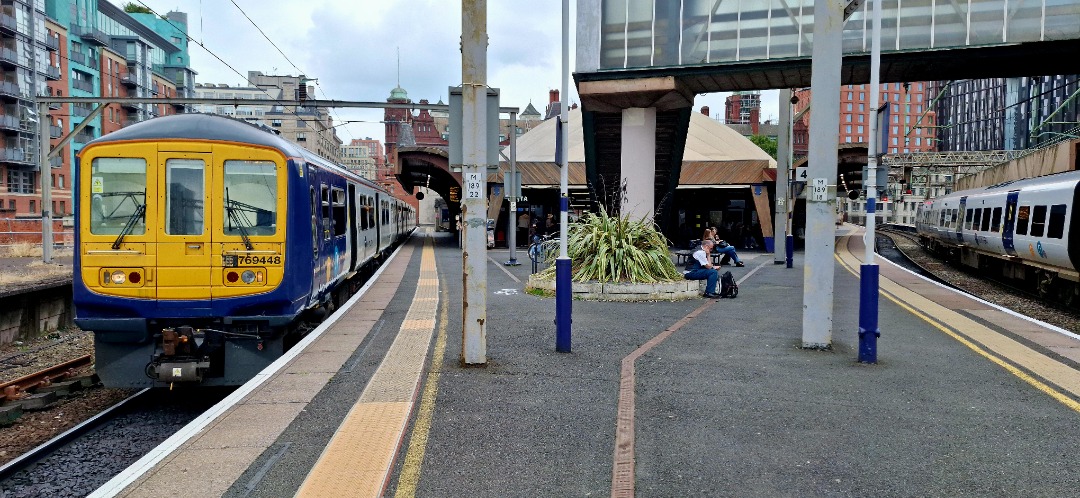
x=140 y=209
x=239 y=218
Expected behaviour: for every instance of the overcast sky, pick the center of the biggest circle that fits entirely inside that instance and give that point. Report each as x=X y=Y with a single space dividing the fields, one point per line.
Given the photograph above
x=352 y=47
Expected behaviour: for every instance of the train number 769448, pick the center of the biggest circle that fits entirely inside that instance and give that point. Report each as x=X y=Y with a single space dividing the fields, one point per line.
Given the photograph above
x=234 y=260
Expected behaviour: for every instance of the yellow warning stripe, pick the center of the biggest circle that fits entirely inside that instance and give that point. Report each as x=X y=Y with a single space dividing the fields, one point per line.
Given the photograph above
x=359 y=457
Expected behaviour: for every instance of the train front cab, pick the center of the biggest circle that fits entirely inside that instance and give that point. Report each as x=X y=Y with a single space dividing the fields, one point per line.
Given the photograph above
x=178 y=234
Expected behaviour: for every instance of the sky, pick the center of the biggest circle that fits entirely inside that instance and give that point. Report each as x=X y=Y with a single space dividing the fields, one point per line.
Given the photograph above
x=353 y=48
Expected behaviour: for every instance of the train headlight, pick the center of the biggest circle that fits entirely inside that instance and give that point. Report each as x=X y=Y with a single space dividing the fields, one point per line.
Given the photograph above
x=118 y=277
x=248 y=276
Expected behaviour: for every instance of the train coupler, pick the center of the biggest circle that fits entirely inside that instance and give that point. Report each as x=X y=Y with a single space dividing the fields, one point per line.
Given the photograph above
x=188 y=371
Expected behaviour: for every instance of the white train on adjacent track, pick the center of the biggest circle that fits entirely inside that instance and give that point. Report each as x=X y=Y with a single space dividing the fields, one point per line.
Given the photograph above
x=1021 y=230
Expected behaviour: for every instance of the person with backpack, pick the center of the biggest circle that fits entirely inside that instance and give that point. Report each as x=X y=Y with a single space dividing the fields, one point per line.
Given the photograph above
x=700 y=268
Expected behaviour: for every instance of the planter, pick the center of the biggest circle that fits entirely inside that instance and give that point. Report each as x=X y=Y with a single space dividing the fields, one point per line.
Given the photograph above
x=615 y=291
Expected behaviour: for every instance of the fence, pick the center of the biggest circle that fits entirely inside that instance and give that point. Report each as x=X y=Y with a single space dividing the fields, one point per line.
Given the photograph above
x=28 y=231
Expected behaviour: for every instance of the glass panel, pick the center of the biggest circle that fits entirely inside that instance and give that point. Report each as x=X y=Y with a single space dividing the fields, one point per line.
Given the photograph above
x=1022 y=215
x=117 y=195
x=1055 y=229
x=185 y=187
x=976 y=221
x=995 y=221
x=986 y=220
x=250 y=198
x=1038 y=221
x=612 y=30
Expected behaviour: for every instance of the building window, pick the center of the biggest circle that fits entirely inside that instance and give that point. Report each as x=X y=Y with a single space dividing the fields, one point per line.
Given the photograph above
x=33 y=206
x=20 y=182
x=275 y=123
x=301 y=137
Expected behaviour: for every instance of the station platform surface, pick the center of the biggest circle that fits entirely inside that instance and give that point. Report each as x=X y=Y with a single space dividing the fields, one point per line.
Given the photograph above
x=691 y=398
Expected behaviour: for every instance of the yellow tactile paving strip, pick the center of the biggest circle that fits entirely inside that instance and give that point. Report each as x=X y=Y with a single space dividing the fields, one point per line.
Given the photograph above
x=358 y=460
x=225 y=449
x=1014 y=356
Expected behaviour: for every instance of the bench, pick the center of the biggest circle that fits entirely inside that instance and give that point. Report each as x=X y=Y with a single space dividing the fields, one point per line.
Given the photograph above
x=683 y=257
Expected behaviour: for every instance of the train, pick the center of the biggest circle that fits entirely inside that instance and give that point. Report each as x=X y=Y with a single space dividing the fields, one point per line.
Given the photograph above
x=1018 y=230
x=249 y=239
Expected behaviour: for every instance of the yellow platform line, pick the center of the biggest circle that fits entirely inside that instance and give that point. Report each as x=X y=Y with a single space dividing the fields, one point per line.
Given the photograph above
x=988 y=343
x=358 y=459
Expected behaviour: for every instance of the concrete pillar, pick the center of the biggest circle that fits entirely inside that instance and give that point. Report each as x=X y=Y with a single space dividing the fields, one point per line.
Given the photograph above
x=638 y=158
x=819 y=267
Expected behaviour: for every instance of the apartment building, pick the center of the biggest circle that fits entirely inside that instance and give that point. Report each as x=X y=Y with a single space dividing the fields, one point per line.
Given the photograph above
x=310 y=127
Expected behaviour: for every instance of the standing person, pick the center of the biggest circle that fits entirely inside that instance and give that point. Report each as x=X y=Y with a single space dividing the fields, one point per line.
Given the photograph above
x=540 y=229
x=523 y=229
x=699 y=268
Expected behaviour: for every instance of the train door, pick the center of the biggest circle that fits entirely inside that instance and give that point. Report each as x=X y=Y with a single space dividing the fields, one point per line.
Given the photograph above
x=1009 y=222
x=183 y=238
x=353 y=228
x=961 y=220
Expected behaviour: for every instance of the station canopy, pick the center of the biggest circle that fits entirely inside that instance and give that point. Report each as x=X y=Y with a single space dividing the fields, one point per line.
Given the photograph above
x=715 y=155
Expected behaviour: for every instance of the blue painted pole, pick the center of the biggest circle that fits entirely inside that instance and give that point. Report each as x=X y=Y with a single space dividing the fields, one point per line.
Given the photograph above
x=563 y=293
x=789 y=246
x=868 y=314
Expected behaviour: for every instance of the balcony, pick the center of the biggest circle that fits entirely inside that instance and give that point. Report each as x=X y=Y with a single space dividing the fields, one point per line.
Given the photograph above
x=52 y=73
x=55 y=131
x=54 y=106
x=86 y=86
x=78 y=57
x=131 y=106
x=7 y=24
x=10 y=123
x=79 y=111
x=129 y=80
x=91 y=35
x=52 y=43
x=83 y=137
x=16 y=156
x=10 y=89
x=8 y=57
x=56 y=162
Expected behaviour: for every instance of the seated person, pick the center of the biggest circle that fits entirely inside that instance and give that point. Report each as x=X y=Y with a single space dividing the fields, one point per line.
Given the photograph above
x=700 y=268
x=722 y=247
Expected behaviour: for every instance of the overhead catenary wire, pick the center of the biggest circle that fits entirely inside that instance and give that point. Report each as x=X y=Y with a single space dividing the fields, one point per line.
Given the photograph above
x=287 y=59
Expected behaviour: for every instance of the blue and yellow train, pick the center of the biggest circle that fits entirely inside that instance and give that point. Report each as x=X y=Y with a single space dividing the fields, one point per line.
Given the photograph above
x=204 y=243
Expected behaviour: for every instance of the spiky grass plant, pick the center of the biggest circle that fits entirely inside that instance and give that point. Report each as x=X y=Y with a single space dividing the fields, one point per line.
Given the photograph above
x=606 y=248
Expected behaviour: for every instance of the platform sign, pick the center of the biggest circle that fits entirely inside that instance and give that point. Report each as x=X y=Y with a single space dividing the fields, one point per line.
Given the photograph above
x=801 y=174
x=472 y=186
x=821 y=190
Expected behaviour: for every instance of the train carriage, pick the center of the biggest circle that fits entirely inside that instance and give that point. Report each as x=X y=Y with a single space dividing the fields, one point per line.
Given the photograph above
x=203 y=241
x=1021 y=230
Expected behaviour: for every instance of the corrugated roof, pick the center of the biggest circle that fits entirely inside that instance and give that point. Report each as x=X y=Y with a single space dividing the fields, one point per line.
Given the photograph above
x=714 y=155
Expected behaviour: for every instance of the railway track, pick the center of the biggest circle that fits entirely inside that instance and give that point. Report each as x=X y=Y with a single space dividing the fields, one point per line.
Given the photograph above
x=990 y=290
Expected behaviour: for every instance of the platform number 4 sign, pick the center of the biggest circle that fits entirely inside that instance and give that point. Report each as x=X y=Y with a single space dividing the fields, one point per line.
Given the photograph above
x=801 y=174
x=472 y=186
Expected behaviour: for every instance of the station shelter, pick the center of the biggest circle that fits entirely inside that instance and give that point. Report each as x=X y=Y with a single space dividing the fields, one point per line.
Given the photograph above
x=726 y=181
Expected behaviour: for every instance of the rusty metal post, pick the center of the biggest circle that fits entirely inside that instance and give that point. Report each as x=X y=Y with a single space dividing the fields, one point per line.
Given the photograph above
x=474 y=177
x=45 y=170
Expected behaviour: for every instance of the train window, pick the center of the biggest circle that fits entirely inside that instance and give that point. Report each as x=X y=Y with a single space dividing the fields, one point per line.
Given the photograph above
x=1038 y=221
x=339 y=211
x=1055 y=227
x=968 y=217
x=941 y=219
x=986 y=216
x=995 y=221
x=955 y=218
x=1022 y=215
x=117 y=194
x=314 y=223
x=185 y=185
x=976 y=219
x=250 y=198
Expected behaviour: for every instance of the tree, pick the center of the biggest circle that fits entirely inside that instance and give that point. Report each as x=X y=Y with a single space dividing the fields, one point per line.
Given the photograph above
x=132 y=8
x=767 y=144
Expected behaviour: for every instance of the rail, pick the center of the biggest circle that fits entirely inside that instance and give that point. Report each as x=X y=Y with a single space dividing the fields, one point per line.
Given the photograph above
x=17 y=388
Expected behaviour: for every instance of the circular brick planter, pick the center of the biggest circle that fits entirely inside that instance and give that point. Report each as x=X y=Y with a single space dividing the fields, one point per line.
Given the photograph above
x=597 y=291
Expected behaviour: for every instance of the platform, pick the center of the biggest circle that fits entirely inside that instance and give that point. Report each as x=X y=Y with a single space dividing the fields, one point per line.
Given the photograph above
x=690 y=398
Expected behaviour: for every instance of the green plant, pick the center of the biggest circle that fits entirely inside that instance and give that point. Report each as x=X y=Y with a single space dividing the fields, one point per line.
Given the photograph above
x=606 y=248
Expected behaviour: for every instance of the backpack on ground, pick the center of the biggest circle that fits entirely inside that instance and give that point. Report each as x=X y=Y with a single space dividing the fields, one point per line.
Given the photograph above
x=728 y=287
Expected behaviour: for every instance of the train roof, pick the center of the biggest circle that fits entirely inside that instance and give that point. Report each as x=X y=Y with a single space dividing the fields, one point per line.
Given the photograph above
x=1064 y=176
x=218 y=128
x=200 y=127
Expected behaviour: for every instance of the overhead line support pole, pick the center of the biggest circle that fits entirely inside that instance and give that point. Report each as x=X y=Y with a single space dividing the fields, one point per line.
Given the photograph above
x=474 y=42
x=563 y=290
x=868 y=274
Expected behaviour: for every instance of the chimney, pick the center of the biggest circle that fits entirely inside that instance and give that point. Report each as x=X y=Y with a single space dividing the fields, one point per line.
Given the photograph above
x=553 y=96
x=705 y=110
